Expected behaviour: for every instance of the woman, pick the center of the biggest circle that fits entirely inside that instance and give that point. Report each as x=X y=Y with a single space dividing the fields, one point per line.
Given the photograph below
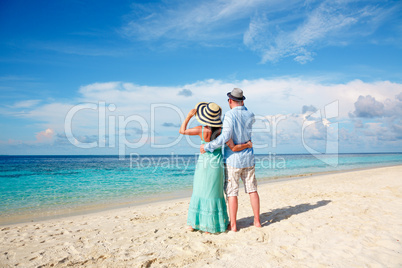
x=207 y=210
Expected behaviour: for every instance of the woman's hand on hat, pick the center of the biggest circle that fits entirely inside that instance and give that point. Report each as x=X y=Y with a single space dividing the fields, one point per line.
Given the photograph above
x=192 y=112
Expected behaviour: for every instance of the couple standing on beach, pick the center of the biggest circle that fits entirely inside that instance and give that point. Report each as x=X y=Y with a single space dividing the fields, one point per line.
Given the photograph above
x=207 y=210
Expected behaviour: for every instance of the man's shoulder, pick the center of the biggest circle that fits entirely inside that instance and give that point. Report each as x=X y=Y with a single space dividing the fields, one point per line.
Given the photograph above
x=232 y=113
x=247 y=111
x=228 y=115
x=229 y=112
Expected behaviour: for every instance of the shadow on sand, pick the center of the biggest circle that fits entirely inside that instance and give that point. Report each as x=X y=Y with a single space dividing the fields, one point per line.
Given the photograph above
x=279 y=214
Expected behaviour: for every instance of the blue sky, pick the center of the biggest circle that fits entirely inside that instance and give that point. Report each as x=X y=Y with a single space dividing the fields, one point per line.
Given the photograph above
x=137 y=67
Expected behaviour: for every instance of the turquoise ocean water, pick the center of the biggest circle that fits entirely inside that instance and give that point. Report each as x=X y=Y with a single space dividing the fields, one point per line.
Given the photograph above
x=45 y=186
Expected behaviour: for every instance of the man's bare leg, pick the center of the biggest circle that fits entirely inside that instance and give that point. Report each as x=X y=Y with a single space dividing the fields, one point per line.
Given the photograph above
x=232 y=203
x=255 y=204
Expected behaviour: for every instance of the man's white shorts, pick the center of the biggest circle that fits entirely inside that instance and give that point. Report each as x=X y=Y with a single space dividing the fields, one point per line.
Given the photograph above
x=232 y=176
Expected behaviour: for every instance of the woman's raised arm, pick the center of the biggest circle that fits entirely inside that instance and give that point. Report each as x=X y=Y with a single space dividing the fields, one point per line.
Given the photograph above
x=192 y=131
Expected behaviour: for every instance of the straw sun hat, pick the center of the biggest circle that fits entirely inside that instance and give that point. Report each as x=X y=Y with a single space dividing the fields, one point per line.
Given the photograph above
x=209 y=114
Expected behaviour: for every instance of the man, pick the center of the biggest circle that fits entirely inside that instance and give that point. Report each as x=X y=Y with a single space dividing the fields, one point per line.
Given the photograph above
x=237 y=125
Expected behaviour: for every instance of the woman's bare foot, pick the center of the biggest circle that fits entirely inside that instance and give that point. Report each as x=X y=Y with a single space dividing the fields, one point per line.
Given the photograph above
x=189 y=228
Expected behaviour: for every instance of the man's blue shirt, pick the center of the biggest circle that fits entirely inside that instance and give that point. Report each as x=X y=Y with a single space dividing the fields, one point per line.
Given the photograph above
x=237 y=125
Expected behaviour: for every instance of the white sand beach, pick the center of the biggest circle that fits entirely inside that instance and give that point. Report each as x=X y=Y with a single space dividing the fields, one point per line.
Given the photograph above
x=350 y=219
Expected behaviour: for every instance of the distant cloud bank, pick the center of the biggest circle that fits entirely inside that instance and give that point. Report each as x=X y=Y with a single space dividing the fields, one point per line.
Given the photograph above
x=370 y=114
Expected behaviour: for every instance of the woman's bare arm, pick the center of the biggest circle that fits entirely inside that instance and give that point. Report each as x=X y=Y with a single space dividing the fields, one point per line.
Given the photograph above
x=238 y=147
x=192 y=131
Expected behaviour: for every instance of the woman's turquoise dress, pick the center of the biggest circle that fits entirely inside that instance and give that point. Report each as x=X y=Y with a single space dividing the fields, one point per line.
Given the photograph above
x=207 y=211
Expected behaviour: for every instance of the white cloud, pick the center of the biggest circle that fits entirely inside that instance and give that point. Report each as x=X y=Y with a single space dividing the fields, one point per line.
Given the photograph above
x=26 y=104
x=328 y=23
x=194 y=20
x=310 y=109
x=379 y=121
x=49 y=115
x=271 y=28
x=151 y=108
x=185 y=92
x=45 y=136
x=265 y=96
x=375 y=124
x=368 y=107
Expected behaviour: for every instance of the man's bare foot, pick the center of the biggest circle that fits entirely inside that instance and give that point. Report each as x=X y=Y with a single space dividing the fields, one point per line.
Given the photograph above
x=232 y=228
x=257 y=224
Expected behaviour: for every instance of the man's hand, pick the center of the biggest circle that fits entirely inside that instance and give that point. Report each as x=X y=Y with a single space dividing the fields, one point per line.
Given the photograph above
x=202 y=149
x=250 y=144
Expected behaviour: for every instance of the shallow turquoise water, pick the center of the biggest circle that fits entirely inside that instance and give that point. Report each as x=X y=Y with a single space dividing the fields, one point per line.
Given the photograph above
x=40 y=184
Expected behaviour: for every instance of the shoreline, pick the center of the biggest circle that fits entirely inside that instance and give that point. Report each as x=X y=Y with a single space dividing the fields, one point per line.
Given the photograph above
x=154 y=199
x=304 y=175
x=117 y=155
x=339 y=220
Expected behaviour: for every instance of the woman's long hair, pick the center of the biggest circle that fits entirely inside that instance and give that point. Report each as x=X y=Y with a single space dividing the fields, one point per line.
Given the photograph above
x=215 y=132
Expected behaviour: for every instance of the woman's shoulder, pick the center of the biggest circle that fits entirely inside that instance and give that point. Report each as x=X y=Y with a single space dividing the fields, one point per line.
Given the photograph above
x=206 y=133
